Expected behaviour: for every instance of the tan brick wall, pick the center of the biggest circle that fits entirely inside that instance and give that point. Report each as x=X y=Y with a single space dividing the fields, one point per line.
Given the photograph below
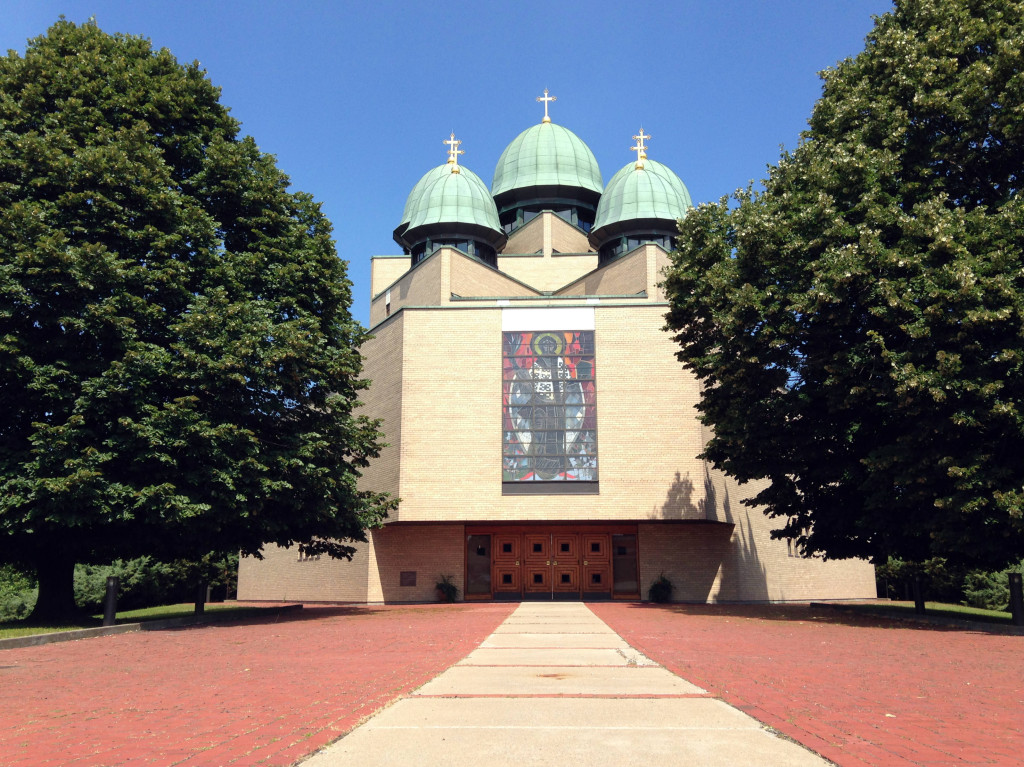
x=760 y=563
x=385 y=270
x=625 y=276
x=383 y=357
x=563 y=237
x=661 y=262
x=738 y=562
x=437 y=384
x=689 y=554
x=547 y=272
x=528 y=238
x=428 y=550
x=543 y=236
x=472 y=278
x=282 y=577
x=451 y=435
x=426 y=285
x=449 y=391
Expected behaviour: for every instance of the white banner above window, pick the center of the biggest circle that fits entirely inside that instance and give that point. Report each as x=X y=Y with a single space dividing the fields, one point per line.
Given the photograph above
x=574 y=318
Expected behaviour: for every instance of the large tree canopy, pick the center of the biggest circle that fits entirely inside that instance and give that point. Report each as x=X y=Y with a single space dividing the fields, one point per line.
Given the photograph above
x=859 y=325
x=178 y=365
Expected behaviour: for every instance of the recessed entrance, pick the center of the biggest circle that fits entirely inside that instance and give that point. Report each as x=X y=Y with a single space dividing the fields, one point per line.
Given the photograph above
x=594 y=562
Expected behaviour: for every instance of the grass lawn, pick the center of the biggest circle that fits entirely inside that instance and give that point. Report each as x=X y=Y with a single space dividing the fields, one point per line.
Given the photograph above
x=163 y=612
x=936 y=609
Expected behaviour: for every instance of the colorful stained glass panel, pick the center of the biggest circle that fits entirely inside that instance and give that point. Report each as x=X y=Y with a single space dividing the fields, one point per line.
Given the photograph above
x=549 y=406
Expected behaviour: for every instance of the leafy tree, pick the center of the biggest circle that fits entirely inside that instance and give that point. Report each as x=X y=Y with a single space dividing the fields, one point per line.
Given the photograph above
x=178 y=365
x=17 y=593
x=859 y=325
x=146 y=582
x=990 y=590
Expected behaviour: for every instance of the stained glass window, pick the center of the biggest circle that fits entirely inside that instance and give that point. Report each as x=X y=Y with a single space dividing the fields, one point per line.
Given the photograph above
x=549 y=408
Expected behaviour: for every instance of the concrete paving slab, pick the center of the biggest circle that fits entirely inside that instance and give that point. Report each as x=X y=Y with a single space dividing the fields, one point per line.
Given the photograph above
x=503 y=704
x=541 y=746
x=558 y=680
x=540 y=628
x=574 y=656
x=556 y=713
x=554 y=616
x=560 y=627
x=561 y=609
x=594 y=641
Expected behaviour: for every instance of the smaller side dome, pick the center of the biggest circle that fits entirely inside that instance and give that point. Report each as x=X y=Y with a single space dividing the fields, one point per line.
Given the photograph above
x=454 y=198
x=642 y=203
x=451 y=206
x=412 y=200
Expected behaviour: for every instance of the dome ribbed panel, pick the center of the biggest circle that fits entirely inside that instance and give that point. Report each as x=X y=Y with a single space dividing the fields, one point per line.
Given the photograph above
x=452 y=198
x=546 y=155
x=669 y=175
x=654 y=192
x=414 y=196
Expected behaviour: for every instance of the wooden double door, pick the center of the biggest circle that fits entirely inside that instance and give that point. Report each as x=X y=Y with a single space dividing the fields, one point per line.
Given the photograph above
x=539 y=563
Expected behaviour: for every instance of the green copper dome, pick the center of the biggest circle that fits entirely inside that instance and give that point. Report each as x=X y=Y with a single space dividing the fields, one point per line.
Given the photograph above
x=414 y=196
x=546 y=155
x=449 y=205
x=452 y=198
x=640 y=195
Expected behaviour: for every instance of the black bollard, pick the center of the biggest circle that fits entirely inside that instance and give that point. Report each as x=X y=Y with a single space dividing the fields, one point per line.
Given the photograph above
x=1017 y=599
x=201 y=598
x=110 y=600
x=918 y=596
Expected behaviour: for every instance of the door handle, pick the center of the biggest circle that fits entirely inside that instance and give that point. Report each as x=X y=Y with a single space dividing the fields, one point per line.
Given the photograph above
x=556 y=561
x=517 y=563
x=548 y=562
x=585 y=563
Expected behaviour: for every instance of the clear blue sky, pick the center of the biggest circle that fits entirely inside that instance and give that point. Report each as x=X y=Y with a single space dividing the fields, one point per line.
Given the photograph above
x=355 y=99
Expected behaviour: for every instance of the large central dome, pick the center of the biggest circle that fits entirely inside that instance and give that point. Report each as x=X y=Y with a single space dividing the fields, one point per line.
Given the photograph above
x=546 y=155
x=546 y=167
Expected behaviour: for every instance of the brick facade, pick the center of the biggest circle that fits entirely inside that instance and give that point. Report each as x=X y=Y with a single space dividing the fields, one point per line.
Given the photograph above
x=436 y=366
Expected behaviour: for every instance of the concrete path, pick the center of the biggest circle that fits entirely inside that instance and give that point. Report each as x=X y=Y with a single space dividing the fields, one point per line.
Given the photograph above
x=554 y=685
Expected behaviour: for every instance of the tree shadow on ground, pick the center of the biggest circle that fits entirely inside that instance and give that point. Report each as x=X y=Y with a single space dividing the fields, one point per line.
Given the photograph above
x=299 y=613
x=840 y=615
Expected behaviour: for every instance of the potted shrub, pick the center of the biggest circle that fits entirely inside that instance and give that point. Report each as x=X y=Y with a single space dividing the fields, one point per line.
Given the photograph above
x=447 y=591
x=660 y=590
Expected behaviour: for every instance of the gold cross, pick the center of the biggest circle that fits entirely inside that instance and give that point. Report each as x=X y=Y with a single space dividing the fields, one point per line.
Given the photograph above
x=453 y=152
x=640 y=149
x=546 y=98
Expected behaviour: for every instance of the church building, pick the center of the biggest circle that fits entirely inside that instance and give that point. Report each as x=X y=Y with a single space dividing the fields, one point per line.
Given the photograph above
x=542 y=436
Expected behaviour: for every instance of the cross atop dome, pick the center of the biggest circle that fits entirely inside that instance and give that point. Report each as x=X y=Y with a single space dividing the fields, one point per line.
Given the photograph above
x=546 y=98
x=640 y=149
x=454 y=152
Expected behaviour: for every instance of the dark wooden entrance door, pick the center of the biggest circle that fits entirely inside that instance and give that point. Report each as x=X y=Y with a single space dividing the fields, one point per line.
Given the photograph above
x=507 y=571
x=565 y=568
x=537 y=563
x=596 y=556
x=555 y=562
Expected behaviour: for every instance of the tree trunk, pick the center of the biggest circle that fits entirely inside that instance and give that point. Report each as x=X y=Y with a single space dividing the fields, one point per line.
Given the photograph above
x=56 y=600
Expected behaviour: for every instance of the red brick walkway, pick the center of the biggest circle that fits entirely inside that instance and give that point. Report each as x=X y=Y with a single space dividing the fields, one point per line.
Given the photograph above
x=857 y=690
x=263 y=693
